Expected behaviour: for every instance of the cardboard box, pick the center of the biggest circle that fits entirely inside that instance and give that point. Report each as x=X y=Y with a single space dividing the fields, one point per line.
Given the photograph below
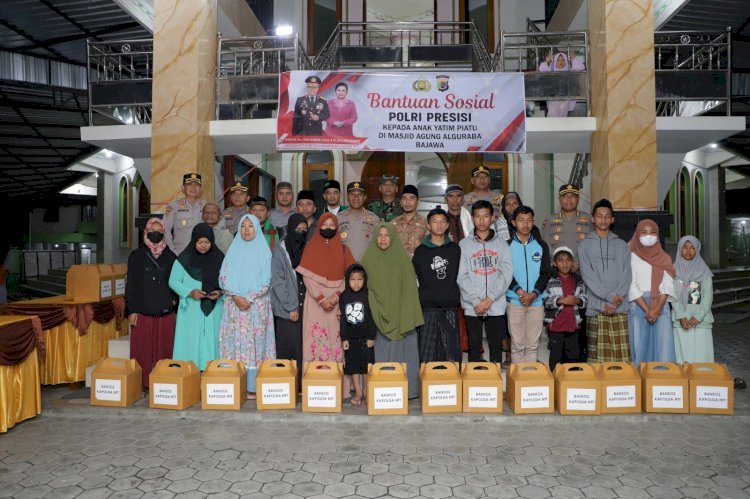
x=531 y=388
x=116 y=382
x=621 y=388
x=321 y=386
x=174 y=384
x=711 y=388
x=224 y=385
x=88 y=284
x=665 y=388
x=276 y=384
x=577 y=389
x=483 y=387
x=387 y=389
x=119 y=278
x=440 y=387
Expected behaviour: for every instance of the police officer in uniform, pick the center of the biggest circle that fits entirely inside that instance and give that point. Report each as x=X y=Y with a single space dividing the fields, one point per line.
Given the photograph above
x=184 y=213
x=569 y=226
x=388 y=206
x=239 y=196
x=480 y=179
x=356 y=224
x=310 y=111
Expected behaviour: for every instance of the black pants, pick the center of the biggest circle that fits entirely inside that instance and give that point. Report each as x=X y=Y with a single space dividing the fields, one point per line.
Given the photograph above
x=289 y=343
x=563 y=348
x=496 y=329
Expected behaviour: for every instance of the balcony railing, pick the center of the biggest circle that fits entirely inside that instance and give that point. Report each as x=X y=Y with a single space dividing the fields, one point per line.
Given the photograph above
x=120 y=75
x=247 y=83
x=405 y=45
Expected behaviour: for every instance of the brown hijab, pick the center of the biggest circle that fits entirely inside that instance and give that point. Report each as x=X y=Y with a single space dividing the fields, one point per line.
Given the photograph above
x=326 y=258
x=653 y=255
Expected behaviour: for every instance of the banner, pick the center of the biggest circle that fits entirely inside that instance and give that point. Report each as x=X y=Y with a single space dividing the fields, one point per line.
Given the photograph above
x=409 y=111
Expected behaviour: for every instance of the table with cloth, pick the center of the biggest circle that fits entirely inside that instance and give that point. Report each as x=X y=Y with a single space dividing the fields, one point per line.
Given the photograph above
x=21 y=347
x=76 y=335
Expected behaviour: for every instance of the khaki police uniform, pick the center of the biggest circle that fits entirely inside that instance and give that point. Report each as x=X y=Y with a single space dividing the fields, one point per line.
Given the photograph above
x=495 y=198
x=357 y=230
x=560 y=229
x=179 y=220
x=232 y=217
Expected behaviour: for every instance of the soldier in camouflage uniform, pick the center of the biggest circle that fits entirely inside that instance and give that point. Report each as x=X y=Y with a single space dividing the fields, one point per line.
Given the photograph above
x=183 y=214
x=388 y=206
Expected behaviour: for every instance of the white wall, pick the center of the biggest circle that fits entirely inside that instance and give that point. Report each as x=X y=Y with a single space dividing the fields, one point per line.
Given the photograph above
x=513 y=14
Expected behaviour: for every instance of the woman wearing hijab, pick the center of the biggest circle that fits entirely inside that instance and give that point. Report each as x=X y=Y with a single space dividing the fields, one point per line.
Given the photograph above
x=691 y=311
x=149 y=301
x=558 y=62
x=394 y=301
x=246 y=332
x=288 y=291
x=195 y=278
x=652 y=285
x=323 y=267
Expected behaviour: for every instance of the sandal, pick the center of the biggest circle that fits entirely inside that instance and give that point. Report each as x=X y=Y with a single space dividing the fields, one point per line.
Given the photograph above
x=740 y=383
x=251 y=396
x=357 y=401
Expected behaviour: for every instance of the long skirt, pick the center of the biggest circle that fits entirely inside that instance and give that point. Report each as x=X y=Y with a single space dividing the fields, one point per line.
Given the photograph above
x=439 y=337
x=404 y=351
x=151 y=340
x=694 y=344
x=608 y=339
x=650 y=342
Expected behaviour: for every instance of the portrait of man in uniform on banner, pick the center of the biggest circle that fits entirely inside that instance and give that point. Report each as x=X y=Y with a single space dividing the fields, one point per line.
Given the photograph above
x=310 y=110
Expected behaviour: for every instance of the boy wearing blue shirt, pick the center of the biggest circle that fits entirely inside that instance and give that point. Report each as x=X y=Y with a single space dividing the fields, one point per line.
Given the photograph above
x=531 y=271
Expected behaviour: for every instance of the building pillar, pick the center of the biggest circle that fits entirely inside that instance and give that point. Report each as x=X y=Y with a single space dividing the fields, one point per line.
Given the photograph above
x=623 y=99
x=183 y=97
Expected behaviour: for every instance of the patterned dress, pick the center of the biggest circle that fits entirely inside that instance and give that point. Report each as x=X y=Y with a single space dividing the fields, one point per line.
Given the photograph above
x=248 y=335
x=320 y=329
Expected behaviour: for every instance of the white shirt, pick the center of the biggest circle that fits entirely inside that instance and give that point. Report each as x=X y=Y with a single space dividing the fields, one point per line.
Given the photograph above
x=641 y=282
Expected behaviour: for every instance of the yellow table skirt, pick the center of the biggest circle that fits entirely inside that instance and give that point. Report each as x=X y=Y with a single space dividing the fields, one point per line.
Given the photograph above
x=20 y=393
x=69 y=353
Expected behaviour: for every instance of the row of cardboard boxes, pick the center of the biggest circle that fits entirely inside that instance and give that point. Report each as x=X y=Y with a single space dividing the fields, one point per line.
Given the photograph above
x=95 y=282
x=607 y=388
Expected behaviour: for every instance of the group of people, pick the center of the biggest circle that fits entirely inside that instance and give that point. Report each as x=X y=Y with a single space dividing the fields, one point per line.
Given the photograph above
x=359 y=286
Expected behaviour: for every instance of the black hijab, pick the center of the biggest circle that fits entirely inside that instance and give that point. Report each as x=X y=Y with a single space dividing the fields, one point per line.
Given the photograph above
x=203 y=268
x=293 y=241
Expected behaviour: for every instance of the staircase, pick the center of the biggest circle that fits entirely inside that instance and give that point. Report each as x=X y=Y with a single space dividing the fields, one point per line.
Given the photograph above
x=731 y=287
x=53 y=283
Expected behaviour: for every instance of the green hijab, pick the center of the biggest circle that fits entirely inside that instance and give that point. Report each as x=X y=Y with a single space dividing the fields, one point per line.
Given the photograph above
x=392 y=286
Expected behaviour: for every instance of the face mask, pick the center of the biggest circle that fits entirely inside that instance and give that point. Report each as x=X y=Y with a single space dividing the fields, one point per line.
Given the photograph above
x=328 y=233
x=155 y=237
x=648 y=240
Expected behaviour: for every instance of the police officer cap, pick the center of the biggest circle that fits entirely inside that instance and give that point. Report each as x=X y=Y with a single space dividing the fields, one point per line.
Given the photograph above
x=410 y=189
x=192 y=178
x=305 y=194
x=388 y=178
x=332 y=184
x=479 y=170
x=569 y=188
x=355 y=186
x=454 y=188
x=238 y=187
x=259 y=200
x=312 y=79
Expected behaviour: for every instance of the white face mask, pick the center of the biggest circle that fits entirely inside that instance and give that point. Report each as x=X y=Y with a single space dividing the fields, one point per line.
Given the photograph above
x=648 y=240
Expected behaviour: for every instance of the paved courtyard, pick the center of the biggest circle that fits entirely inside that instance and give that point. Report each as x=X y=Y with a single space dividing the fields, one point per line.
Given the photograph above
x=73 y=450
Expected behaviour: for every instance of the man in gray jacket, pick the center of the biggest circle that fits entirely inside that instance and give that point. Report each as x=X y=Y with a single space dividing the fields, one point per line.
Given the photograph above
x=604 y=262
x=484 y=273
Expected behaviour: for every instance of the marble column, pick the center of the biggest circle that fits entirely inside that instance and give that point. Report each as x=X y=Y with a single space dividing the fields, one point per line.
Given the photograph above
x=183 y=97
x=623 y=148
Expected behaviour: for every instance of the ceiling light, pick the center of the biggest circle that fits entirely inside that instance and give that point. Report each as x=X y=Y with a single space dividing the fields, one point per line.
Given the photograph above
x=107 y=153
x=714 y=145
x=284 y=30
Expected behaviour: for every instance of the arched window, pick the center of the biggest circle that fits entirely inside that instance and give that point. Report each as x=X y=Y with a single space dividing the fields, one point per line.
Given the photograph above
x=698 y=206
x=669 y=206
x=683 y=214
x=124 y=211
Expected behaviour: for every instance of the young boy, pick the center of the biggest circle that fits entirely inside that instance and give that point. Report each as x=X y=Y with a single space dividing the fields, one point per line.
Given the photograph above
x=604 y=262
x=531 y=271
x=436 y=263
x=566 y=296
x=357 y=329
x=484 y=274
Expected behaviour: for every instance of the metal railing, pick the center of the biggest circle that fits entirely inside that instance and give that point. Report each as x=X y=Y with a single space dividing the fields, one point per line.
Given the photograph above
x=119 y=75
x=405 y=45
x=247 y=80
x=693 y=72
x=531 y=53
